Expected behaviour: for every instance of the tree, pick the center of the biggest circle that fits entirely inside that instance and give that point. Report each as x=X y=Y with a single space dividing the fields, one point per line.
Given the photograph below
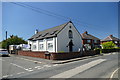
x=108 y=45
x=13 y=40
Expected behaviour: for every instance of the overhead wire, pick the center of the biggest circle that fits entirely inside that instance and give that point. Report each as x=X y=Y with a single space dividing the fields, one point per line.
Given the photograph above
x=49 y=13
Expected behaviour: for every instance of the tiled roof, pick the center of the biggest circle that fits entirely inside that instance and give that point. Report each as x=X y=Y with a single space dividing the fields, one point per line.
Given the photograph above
x=110 y=37
x=85 y=35
x=48 y=32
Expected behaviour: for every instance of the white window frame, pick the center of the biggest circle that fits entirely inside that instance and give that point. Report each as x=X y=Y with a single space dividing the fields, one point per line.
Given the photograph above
x=41 y=46
x=116 y=42
x=88 y=41
x=34 y=47
x=50 y=47
x=95 y=41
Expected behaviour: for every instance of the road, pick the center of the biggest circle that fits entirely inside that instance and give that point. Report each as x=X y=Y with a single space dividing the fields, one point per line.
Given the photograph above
x=98 y=67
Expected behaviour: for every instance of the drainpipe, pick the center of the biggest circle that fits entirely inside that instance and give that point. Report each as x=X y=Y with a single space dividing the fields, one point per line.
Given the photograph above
x=55 y=44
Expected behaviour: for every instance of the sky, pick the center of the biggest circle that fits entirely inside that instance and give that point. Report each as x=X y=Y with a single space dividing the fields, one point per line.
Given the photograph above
x=22 y=18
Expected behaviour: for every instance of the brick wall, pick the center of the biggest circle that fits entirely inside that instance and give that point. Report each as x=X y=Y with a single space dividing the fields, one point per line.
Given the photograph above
x=56 y=56
x=32 y=54
x=67 y=55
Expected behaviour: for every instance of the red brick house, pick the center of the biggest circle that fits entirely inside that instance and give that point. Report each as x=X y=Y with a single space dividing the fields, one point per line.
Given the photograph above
x=113 y=39
x=88 y=39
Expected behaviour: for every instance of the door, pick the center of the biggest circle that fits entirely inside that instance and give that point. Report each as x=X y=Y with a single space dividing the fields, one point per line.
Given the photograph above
x=70 y=46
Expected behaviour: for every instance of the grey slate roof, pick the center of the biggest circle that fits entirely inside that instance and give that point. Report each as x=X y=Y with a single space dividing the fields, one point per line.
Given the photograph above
x=110 y=38
x=48 y=32
x=85 y=35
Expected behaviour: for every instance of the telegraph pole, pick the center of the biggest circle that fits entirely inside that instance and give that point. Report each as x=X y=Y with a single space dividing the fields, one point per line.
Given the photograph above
x=6 y=35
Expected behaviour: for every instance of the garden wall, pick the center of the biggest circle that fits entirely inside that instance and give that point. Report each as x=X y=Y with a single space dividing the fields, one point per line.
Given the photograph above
x=32 y=54
x=110 y=50
x=56 y=56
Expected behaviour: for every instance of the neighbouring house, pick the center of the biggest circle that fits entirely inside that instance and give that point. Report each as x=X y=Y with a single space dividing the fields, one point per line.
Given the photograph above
x=115 y=40
x=62 y=38
x=90 y=41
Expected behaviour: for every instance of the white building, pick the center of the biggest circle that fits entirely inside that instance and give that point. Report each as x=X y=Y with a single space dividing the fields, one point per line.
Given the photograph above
x=63 y=38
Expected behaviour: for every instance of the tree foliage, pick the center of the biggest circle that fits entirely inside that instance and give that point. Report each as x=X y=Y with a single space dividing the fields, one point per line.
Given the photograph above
x=13 y=40
x=108 y=45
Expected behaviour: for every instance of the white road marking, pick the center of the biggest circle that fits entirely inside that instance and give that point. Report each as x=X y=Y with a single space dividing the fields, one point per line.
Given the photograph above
x=20 y=72
x=7 y=76
x=37 y=66
x=55 y=65
x=114 y=73
x=30 y=60
x=2 y=60
x=40 y=68
x=30 y=69
x=47 y=65
x=18 y=66
x=72 y=72
x=12 y=74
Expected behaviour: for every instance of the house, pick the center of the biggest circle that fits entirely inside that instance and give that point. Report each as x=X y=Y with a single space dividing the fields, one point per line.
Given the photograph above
x=62 y=38
x=90 y=41
x=113 y=39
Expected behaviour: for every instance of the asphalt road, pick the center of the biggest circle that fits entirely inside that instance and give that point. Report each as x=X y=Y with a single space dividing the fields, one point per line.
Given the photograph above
x=98 y=67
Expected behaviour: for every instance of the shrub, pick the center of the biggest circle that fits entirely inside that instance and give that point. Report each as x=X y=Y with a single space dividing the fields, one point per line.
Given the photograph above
x=60 y=51
x=108 y=45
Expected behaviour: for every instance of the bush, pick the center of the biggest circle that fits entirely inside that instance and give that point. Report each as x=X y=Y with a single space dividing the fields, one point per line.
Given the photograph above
x=60 y=51
x=108 y=45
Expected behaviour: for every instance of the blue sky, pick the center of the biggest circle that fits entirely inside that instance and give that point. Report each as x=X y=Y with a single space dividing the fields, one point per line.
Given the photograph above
x=98 y=18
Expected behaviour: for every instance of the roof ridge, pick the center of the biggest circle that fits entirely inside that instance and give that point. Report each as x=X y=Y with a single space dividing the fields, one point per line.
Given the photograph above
x=52 y=27
x=90 y=36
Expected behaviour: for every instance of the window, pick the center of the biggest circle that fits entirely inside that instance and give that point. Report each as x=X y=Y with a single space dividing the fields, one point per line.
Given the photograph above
x=116 y=42
x=34 y=46
x=50 y=46
x=41 y=47
x=70 y=34
x=95 y=41
x=88 y=41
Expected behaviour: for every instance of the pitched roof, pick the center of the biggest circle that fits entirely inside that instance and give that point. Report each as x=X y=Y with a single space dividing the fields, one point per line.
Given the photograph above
x=110 y=38
x=85 y=35
x=48 y=32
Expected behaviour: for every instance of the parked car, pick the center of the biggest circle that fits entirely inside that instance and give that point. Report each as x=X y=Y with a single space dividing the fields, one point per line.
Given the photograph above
x=4 y=53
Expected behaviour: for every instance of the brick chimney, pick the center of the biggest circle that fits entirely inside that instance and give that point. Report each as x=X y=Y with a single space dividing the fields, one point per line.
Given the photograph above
x=36 y=31
x=86 y=32
x=111 y=35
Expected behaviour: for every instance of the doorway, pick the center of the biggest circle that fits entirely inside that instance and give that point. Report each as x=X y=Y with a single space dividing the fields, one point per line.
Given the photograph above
x=71 y=46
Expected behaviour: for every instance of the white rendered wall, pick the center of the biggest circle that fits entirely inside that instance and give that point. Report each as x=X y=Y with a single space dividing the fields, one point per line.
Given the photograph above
x=63 y=39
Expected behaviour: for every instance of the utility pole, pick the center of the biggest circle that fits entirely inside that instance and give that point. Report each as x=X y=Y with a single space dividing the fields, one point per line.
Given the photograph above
x=6 y=35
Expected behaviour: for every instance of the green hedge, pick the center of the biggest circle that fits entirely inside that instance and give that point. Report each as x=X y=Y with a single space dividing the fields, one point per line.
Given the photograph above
x=109 y=50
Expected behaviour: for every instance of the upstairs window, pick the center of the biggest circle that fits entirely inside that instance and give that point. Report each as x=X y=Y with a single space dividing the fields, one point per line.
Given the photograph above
x=95 y=41
x=70 y=34
x=88 y=41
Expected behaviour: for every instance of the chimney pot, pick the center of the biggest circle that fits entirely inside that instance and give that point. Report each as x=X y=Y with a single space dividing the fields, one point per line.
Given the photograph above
x=36 y=31
x=86 y=32
x=111 y=35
